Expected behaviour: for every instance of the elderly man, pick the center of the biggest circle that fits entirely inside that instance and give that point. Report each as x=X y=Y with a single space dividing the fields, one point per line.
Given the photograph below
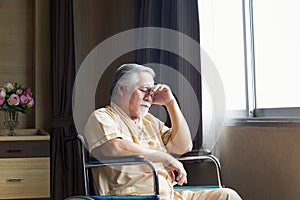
x=126 y=128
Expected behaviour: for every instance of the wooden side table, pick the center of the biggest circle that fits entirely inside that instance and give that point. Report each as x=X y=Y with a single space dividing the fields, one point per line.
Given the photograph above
x=25 y=165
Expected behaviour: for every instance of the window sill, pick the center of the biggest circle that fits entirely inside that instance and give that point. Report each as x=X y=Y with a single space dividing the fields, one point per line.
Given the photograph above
x=264 y=121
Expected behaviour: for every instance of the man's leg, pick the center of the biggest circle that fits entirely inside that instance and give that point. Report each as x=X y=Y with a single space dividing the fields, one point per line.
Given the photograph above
x=210 y=194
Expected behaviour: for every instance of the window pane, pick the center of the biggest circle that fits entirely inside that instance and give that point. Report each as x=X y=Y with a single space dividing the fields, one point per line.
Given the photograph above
x=221 y=36
x=277 y=47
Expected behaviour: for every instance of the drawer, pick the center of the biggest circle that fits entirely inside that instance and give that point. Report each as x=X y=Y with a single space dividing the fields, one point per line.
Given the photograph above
x=22 y=178
x=24 y=149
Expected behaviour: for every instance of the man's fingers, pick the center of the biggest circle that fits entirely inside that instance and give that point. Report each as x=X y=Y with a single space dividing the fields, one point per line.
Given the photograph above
x=175 y=165
x=181 y=179
x=159 y=88
x=172 y=175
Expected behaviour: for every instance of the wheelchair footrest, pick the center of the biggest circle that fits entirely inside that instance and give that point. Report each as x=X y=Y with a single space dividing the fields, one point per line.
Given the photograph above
x=195 y=187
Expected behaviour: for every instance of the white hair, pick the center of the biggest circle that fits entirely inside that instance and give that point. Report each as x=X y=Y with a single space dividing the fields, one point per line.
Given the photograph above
x=127 y=76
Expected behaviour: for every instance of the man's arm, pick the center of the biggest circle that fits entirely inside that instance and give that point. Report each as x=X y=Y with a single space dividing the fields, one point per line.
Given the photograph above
x=181 y=141
x=123 y=147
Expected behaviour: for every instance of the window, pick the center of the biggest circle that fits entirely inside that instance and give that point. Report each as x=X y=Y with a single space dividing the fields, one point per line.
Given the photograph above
x=221 y=37
x=254 y=45
x=277 y=47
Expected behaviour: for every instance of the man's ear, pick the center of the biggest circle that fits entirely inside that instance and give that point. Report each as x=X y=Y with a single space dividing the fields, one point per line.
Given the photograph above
x=120 y=90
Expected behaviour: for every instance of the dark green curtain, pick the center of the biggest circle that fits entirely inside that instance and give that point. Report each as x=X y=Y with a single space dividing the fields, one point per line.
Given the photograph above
x=181 y=16
x=66 y=174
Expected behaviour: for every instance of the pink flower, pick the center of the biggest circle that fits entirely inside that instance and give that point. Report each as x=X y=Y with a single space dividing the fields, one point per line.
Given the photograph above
x=23 y=99
x=30 y=103
x=28 y=97
x=2 y=100
x=19 y=91
x=13 y=100
x=28 y=91
x=15 y=96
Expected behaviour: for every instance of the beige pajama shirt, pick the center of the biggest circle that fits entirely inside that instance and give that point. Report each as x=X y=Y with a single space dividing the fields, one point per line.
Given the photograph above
x=111 y=122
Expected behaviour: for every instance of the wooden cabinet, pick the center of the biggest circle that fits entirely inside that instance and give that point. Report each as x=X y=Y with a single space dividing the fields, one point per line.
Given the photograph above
x=25 y=166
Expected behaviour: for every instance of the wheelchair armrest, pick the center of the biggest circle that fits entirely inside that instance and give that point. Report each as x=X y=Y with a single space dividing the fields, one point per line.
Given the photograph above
x=198 y=152
x=199 y=155
x=116 y=160
x=125 y=160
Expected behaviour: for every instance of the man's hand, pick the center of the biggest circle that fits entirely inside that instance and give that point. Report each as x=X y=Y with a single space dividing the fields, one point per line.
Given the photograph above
x=162 y=94
x=172 y=165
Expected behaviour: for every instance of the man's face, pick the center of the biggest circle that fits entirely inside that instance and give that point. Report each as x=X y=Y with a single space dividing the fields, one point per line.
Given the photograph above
x=141 y=97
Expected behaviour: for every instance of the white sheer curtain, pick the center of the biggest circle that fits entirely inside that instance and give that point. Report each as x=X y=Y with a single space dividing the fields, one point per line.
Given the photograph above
x=221 y=38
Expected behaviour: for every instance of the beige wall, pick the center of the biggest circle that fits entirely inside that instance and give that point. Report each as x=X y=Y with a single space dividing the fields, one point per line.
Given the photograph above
x=262 y=163
x=17 y=47
x=25 y=55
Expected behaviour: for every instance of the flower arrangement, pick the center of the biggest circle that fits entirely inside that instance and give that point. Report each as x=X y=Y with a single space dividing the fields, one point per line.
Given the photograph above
x=15 y=97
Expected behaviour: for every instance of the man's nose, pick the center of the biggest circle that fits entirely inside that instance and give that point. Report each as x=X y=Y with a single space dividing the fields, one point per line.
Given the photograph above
x=149 y=96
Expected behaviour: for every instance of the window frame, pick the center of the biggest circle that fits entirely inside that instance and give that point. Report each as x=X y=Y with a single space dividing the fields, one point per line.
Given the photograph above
x=253 y=115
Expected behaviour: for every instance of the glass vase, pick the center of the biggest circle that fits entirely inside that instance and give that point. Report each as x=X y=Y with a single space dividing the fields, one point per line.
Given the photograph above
x=11 y=121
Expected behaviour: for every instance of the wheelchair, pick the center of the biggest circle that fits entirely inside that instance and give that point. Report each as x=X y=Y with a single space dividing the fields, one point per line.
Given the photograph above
x=88 y=163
